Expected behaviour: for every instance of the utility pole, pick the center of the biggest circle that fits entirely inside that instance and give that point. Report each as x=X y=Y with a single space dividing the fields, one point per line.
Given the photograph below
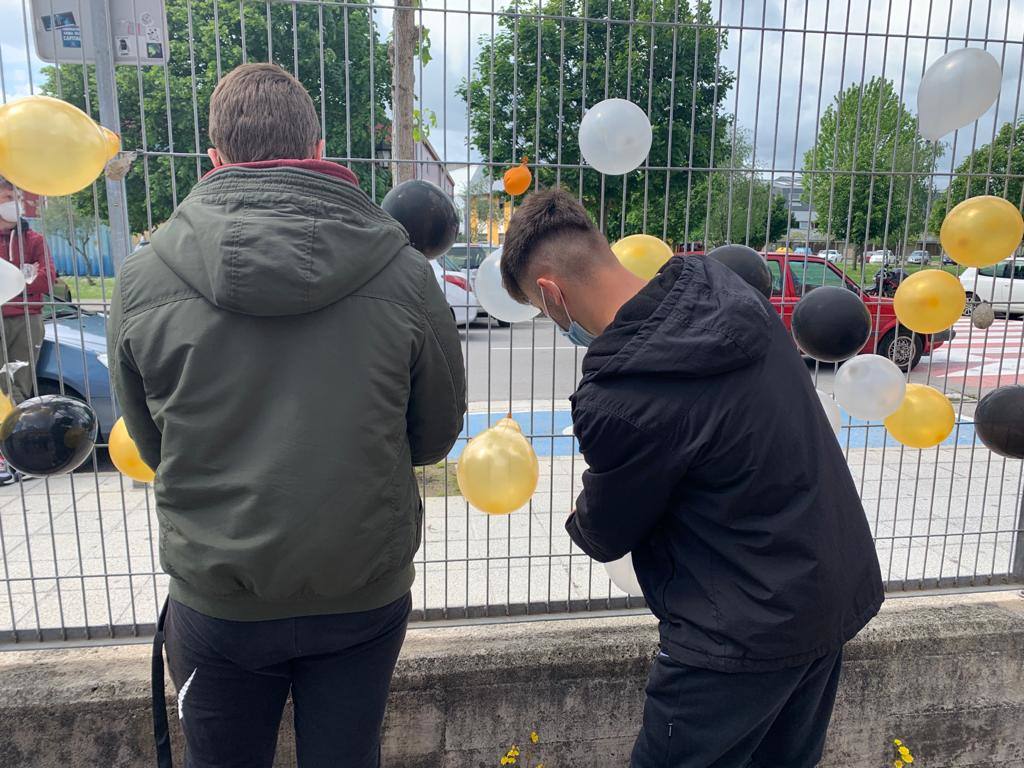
x=106 y=89
x=403 y=50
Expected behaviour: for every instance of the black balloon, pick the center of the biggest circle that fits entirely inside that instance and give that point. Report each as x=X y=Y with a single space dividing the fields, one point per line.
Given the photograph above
x=999 y=421
x=427 y=213
x=747 y=263
x=831 y=324
x=47 y=436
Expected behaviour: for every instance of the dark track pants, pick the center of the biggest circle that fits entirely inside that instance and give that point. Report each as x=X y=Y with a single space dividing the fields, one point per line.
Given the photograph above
x=698 y=718
x=233 y=678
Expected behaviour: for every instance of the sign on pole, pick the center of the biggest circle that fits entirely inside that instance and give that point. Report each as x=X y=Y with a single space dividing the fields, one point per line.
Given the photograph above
x=63 y=31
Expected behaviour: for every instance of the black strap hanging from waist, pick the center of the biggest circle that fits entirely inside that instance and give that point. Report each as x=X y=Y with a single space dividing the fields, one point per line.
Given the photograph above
x=160 y=729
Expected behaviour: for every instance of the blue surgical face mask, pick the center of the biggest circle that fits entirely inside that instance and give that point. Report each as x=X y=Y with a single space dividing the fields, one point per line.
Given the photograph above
x=577 y=334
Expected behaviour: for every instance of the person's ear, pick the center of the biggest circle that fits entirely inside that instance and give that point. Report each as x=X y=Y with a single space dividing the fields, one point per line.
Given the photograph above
x=215 y=157
x=550 y=292
x=318 y=151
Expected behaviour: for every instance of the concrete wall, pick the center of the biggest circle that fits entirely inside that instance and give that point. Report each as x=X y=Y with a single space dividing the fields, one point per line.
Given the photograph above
x=944 y=674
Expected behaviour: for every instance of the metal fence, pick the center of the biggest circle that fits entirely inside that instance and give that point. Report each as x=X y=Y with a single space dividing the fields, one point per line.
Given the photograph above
x=784 y=124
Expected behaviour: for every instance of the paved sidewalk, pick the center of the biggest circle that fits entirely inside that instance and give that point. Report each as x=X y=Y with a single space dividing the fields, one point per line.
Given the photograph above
x=86 y=551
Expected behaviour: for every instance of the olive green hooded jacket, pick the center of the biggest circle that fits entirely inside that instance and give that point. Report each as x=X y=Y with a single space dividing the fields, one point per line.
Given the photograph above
x=284 y=359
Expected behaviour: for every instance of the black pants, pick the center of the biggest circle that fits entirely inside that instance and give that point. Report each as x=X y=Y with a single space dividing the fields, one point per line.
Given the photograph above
x=697 y=718
x=233 y=678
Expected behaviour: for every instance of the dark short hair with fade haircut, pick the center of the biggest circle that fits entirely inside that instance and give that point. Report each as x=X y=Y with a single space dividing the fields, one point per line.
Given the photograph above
x=546 y=218
x=261 y=112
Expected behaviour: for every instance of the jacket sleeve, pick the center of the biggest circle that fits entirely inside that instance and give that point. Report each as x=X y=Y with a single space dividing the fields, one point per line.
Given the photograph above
x=128 y=386
x=626 y=488
x=437 y=402
x=39 y=254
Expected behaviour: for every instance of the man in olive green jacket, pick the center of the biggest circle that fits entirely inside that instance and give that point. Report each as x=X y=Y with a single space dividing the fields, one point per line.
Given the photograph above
x=283 y=358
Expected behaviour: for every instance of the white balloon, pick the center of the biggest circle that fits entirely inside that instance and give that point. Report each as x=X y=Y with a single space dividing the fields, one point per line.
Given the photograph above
x=870 y=387
x=956 y=90
x=494 y=298
x=835 y=418
x=615 y=136
x=12 y=281
x=623 y=576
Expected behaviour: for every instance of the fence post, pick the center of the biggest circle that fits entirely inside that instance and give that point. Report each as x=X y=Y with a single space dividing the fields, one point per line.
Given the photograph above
x=106 y=89
x=1017 y=556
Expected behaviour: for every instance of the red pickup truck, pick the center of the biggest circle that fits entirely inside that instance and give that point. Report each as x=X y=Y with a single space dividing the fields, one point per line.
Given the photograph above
x=795 y=274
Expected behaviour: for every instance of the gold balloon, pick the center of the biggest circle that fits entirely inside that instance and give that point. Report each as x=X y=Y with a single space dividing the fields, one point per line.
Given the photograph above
x=113 y=142
x=125 y=455
x=982 y=231
x=498 y=470
x=6 y=406
x=643 y=255
x=924 y=419
x=50 y=147
x=930 y=301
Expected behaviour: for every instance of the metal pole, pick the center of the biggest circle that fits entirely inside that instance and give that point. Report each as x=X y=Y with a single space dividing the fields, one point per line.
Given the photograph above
x=1017 y=556
x=106 y=89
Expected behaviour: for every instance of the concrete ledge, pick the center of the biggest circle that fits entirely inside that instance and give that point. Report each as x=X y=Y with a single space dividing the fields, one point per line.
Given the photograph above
x=944 y=674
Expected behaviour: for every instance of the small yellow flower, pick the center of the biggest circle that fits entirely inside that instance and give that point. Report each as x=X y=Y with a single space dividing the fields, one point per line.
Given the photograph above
x=907 y=758
x=504 y=760
x=534 y=737
x=897 y=742
x=897 y=764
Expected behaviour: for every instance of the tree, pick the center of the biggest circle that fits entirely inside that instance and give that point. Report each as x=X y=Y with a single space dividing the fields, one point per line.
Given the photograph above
x=993 y=169
x=353 y=109
x=741 y=207
x=526 y=98
x=60 y=218
x=869 y=167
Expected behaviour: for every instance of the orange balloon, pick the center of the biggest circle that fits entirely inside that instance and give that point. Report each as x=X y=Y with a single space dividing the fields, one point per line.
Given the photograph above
x=982 y=231
x=125 y=455
x=517 y=180
x=113 y=142
x=929 y=301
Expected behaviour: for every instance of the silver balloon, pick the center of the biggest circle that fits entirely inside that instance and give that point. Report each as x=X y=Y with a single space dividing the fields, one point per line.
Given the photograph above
x=12 y=281
x=982 y=316
x=870 y=387
x=493 y=297
x=615 y=136
x=956 y=90
x=623 y=576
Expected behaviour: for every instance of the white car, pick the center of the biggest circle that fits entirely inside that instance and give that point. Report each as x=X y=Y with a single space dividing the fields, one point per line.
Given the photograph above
x=881 y=257
x=919 y=257
x=831 y=255
x=461 y=299
x=1001 y=285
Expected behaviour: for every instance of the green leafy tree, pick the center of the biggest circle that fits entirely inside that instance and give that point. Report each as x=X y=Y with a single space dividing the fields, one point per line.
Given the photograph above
x=526 y=98
x=159 y=103
x=869 y=167
x=741 y=207
x=996 y=169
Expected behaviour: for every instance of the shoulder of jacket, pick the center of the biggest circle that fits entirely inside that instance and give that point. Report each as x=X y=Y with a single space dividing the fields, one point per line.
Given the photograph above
x=145 y=282
x=403 y=281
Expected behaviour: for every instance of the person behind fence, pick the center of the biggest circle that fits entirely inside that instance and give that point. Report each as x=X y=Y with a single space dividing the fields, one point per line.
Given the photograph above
x=711 y=460
x=283 y=359
x=22 y=315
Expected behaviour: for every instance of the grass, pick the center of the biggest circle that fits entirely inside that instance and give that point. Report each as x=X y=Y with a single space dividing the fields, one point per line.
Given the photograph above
x=853 y=271
x=432 y=480
x=81 y=290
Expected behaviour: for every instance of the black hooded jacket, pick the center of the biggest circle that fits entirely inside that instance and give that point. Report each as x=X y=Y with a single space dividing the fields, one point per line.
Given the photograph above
x=711 y=460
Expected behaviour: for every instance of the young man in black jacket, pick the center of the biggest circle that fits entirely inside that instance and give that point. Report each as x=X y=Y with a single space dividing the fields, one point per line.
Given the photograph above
x=711 y=460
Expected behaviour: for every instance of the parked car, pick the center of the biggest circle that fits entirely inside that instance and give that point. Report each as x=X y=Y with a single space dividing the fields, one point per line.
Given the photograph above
x=881 y=257
x=919 y=257
x=947 y=259
x=792 y=278
x=831 y=255
x=465 y=258
x=1002 y=285
x=460 y=296
x=74 y=352
x=803 y=250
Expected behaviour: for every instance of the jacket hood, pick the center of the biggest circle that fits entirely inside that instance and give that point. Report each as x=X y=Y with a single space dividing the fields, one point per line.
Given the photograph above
x=278 y=240
x=696 y=318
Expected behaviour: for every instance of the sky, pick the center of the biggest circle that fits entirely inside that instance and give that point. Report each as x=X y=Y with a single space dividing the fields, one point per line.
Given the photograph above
x=792 y=57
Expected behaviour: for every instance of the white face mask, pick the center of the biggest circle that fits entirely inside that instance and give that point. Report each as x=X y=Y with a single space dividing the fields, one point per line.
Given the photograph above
x=10 y=211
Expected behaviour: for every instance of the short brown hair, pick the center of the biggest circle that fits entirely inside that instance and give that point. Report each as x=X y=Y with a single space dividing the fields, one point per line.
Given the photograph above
x=546 y=221
x=261 y=112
